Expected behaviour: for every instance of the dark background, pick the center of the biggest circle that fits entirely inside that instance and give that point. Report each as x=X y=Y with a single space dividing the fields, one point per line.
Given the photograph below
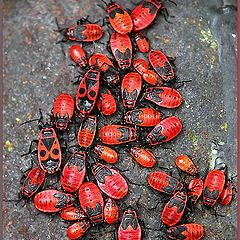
x=203 y=40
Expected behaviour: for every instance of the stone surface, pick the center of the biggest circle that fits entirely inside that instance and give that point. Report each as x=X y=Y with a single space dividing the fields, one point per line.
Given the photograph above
x=202 y=37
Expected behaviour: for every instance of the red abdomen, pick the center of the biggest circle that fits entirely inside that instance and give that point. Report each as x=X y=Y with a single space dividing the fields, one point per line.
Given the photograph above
x=184 y=163
x=111 y=211
x=174 y=209
x=110 y=181
x=106 y=153
x=130 y=89
x=74 y=172
x=33 y=182
x=51 y=201
x=164 y=182
x=165 y=131
x=143 y=117
x=129 y=227
x=161 y=65
x=91 y=201
x=78 y=229
x=144 y=14
x=117 y=134
x=121 y=47
x=227 y=193
x=87 y=131
x=195 y=189
x=213 y=186
x=163 y=96
x=190 y=231
x=78 y=55
x=73 y=214
x=144 y=157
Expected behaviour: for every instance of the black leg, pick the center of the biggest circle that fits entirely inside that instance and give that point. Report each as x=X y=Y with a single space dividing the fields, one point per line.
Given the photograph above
x=30 y=148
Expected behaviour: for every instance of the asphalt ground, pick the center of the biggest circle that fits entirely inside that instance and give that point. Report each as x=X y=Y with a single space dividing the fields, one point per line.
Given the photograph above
x=202 y=38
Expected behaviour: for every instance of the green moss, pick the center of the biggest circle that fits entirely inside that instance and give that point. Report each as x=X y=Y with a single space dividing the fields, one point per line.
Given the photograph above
x=224 y=126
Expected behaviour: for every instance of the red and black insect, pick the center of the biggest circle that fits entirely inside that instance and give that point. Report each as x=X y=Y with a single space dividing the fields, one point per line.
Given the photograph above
x=106 y=102
x=106 y=153
x=78 y=229
x=174 y=209
x=163 y=96
x=87 y=131
x=213 y=186
x=111 y=213
x=87 y=92
x=227 y=193
x=184 y=163
x=49 y=151
x=148 y=75
x=117 y=134
x=78 y=55
x=121 y=47
x=145 y=13
x=143 y=117
x=163 y=182
x=73 y=214
x=140 y=65
x=108 y=73
x=195 y=189
x=110 y=181
x=144 y=157
x=190 y=231
x=91 y=201
x=165 y=131
x=63 y=109
x=51 y=201
x=119 y=19
x=142 y=42
x=130 y=89
x=81 y=32
x=32 y=182
x=74 y=172
x=129 y=227
x=160 y=63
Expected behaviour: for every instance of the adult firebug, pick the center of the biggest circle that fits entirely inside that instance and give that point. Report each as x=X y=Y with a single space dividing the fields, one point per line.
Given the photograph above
x=91 y=201
x=106 y=153
x=189 y=231
x=121 y=47
x=163 y=182
x=143 y=156
x=49 y=151
x=87 y=131
x=106 y=102
x=143 y=117
x=108 y=72
x=130 y=89
x=63 y=109
x=51 y=201
x=165 y=131
x=87 y=92
x=73 y=172
x=174 y=209
x=117 y=134
x=163 y=96
x=129 y=227
x=78 y=55
x=111 y=213
x=110 y=181
x=185 y=163
x=161 y=65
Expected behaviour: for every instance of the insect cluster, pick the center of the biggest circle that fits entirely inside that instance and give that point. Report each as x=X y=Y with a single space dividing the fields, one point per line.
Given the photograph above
x=91 y=189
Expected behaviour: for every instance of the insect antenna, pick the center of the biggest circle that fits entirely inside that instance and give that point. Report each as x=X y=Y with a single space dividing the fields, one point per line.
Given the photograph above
x=63 y=32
